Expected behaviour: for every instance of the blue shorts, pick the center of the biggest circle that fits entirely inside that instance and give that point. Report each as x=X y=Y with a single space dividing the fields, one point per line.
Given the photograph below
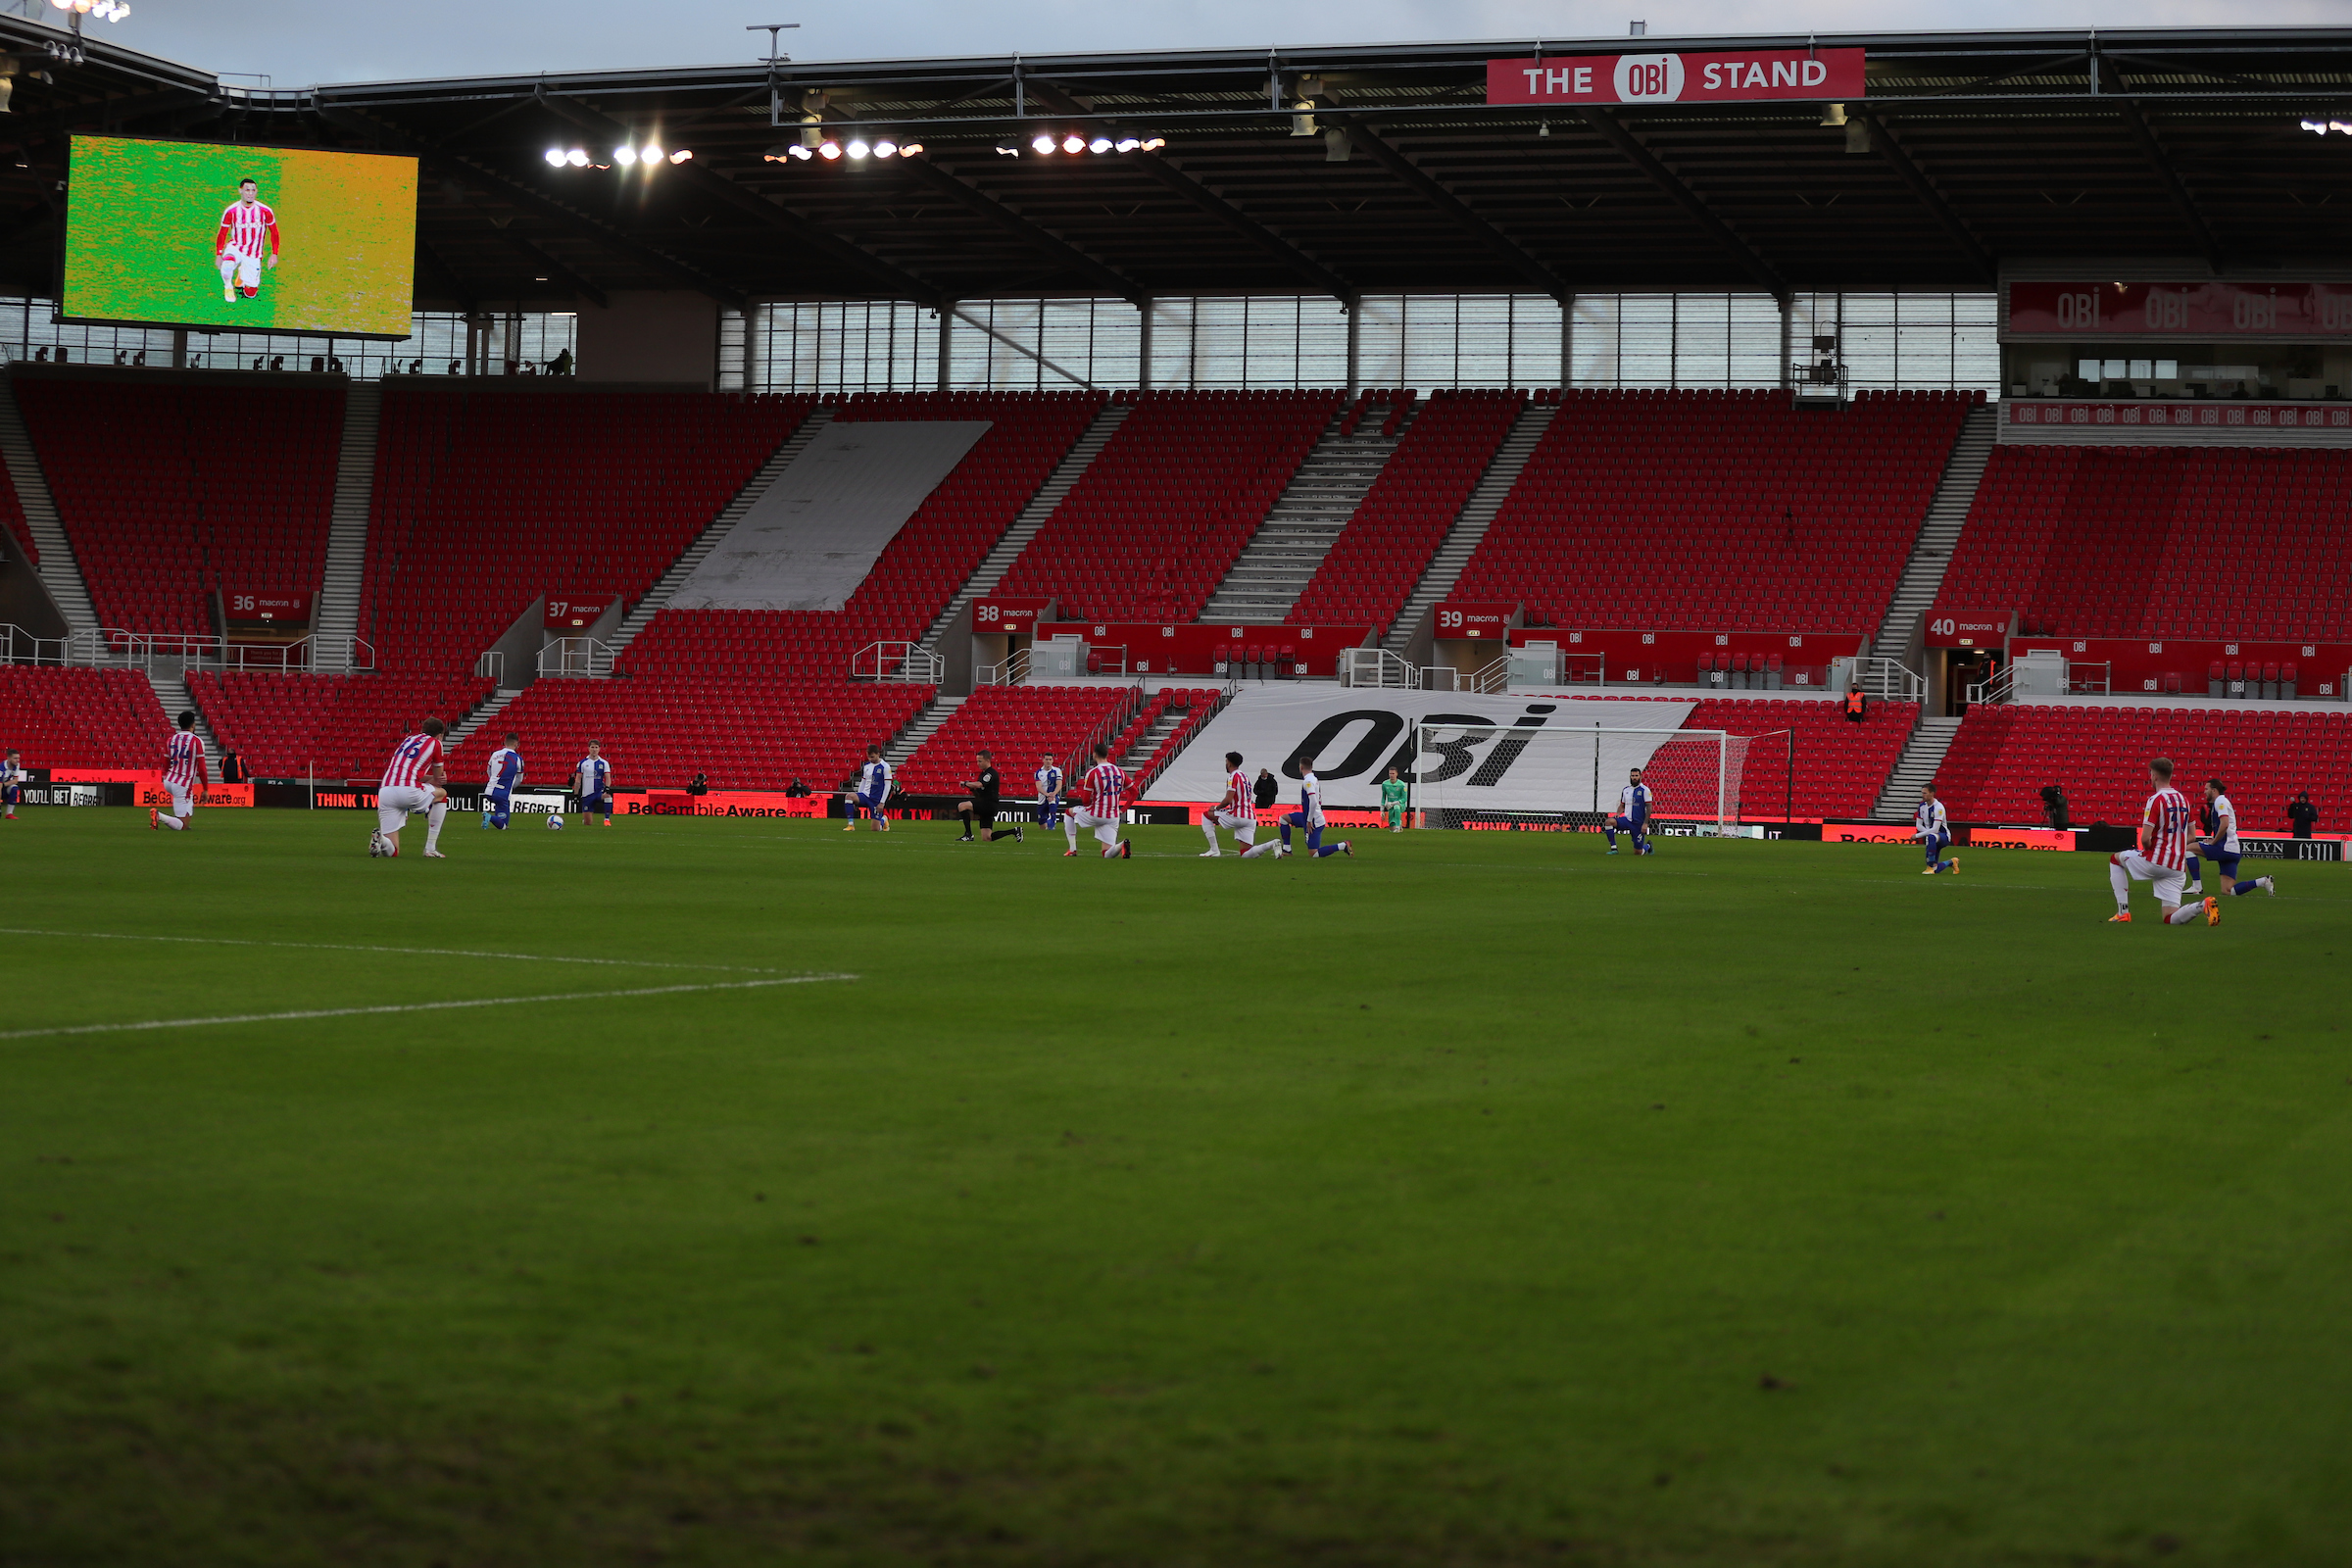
x=874 y=804
x=597 y=805
x=1048 y=813
x=1627 y=824
x=2228 y=862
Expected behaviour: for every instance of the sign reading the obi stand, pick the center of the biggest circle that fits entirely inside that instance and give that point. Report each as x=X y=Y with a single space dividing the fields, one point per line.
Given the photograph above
x=1669 y=78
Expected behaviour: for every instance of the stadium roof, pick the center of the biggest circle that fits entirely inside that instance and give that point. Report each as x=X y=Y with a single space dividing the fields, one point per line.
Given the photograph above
x=1972 y=148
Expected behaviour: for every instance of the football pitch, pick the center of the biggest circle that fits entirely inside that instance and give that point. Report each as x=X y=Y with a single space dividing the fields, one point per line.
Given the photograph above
x=880 y=1199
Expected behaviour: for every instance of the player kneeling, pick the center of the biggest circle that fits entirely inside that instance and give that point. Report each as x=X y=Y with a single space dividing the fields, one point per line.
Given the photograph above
x=1104 y=800
x=1235 y=813
x=414 y=781
x=2164 y=834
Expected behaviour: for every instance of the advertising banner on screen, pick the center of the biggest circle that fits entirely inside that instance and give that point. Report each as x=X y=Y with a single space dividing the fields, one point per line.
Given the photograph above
x=1736 y=76
x=254 y=239
x=2219 y=309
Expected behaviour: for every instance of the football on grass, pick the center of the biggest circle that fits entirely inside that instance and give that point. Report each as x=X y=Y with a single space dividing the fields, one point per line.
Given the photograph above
x=555 y=824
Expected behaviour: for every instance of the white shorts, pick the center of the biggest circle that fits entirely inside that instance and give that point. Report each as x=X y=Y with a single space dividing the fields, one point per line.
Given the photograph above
x=244 y=270
x=392 y=806
x=183 y=798
x=1086 y=818
x=1233 y=823
x=2167 y=880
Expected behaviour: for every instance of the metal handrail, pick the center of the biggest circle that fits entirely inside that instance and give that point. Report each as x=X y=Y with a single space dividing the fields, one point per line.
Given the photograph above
x=113 y=647
x=1011 y=673
x=2000 y=689
x=1890 y=680
x=2082 y=685
x=897 y=660
x=1494 y=679
x=21 y=647
x=492 y=665
x=1377 y=668
x=581 y=657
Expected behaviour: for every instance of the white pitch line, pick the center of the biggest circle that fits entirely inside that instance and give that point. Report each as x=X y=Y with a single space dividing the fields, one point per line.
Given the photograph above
x=419 y=953
x=412 y=1006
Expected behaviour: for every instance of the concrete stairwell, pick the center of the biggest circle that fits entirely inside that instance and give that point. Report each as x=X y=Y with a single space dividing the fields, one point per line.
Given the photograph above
x=59 y=573
x=1059 y=484
x=1148 y=744
x=338 y=618
x=1922 y=754
x=1275 y=565
x=1900 y=634
x=481 y=715
x=1444 y=569
x=693 y=556
x=926 y=723
x=172 y=690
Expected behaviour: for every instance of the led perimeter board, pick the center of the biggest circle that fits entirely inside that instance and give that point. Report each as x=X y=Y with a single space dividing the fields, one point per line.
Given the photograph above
x=262 y=240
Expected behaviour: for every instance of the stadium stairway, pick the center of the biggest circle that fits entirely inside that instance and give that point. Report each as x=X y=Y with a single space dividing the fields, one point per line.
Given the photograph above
x=338 y=618
x=659 y=594
x=1922 y=754
x=481 y=715
x=1275 y=567
x=1147 y=745
x=172 y=691
x=1445 y=568
x=925 y=724
x=59 y=573
x=1931 y=552
x=999 y=559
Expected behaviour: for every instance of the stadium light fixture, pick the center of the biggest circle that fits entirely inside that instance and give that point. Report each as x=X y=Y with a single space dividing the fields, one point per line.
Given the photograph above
x=652 y=153
x=857 y=149
x=828 y=150
x=800 y=152
x=1128 y=144
x=577 y=158
x=913 y=149
x=1073 y=144
x=1042 y=145
x=1101 y=144
x=555 y=157
x=886 y=148
x=681 y=155
x=624 y=155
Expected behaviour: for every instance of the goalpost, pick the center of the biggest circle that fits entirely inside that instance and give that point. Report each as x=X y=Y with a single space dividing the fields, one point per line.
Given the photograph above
x=1472 y=774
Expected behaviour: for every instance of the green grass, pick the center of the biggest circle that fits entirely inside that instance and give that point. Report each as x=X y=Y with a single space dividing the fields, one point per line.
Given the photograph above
x=1481 y=1199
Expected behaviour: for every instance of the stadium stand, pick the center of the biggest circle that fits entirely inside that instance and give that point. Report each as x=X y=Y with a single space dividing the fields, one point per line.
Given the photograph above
x=12 y=512
x=1158 y=517
x=336 y=726
x=919 y=570
x=167 y=492
x=1016 y=724
x=1717 y=509
x=659 y=731
x=2004 y=754
x=1190 y=710
x=2168 y=541
x=1386 y=546
x=487 y=499
x=65 y=719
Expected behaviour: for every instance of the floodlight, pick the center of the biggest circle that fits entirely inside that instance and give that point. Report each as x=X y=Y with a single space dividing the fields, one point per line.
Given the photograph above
x=1073 y=143
x=649 y=153
x=624 y=155
x=63 y=5
x=1042 y=144
x=830 y=149
x=800 y=152
x=681 y=155
x=577 y=158
x=886 y=148
x=82 y=6
x=1128 y=144
x=859 y=149
x=2318 y=127
x=913 y=149
x=555 y=157
x=2338 y=125
x=1155 y=144
x=1101 y=144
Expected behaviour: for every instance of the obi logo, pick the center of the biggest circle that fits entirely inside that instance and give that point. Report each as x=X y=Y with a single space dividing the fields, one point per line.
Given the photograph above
x=1650 y=78
x=2255 y=313
x=2167 y=310
x=2079 y=308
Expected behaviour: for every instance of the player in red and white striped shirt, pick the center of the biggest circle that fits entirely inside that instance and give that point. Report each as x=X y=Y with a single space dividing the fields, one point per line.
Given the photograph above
x=2166 y=827
x=248 y=235
x=1104 y=793
x=185 y=774
x=414 y=781
x=1235 y=812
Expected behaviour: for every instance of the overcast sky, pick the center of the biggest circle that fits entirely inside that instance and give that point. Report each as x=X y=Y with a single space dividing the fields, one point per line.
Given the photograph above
x=299 y=42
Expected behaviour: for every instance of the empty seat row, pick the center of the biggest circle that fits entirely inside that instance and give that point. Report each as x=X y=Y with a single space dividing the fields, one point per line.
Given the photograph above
x=69 y=718
x=2004 y=754
x=1019 y=725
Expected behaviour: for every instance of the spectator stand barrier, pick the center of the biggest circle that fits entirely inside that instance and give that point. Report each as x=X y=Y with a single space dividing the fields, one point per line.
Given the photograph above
x=1013 y=672
x=583 y=658
x=1890 y=680
x=900 y=662
x=21 y=647
x=492 y=665
x=113 y=648
x=1380 y=669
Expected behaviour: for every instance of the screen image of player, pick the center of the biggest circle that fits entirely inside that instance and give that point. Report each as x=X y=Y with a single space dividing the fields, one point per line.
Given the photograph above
x=283 y=239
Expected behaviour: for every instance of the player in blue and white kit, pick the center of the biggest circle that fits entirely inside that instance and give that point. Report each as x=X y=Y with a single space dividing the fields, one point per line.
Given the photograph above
x=874 y=789
x=506 y=772
x=1309 y=817
x=593 y=781
x=12 y=783
x=1934 y=830
x=1049 y=792
x=2220 y=845
x=1633 y=814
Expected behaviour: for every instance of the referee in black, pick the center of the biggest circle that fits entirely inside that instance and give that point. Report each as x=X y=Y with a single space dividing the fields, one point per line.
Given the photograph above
x=981 y=809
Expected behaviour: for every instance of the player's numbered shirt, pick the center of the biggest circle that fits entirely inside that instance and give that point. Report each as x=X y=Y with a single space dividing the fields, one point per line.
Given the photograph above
x=1310 y=800
x=246 y=232
x=411 y=765
x=595 y=774
x=506 y=768
x=873 y=781
x=182 y=758
x=2225 y=816
x=2169 y=818
x=1932 y=821
x=1632 y=802
x=1106 y=788
x=1237 y=785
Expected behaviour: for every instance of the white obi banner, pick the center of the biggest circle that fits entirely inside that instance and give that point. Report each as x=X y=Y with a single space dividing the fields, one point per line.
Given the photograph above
x=811 y=538
x=1515 y=752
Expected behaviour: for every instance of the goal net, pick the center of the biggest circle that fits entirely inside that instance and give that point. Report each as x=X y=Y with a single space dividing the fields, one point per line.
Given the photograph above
x=1472 y=775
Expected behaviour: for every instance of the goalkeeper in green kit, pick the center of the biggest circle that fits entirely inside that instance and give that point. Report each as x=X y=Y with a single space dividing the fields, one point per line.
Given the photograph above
x=1391 y=801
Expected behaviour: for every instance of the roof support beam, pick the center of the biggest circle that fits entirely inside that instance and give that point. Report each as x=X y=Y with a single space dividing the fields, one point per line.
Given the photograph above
x=1426 y=186
x=1613 y=132
x=710 y=182
x=1241 y=223
x=1882 y=134
x=2187 y=205
x=532 y=200
x=944 y=178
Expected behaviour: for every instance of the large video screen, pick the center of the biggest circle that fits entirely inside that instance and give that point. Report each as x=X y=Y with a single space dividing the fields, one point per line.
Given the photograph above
x=262 y=240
